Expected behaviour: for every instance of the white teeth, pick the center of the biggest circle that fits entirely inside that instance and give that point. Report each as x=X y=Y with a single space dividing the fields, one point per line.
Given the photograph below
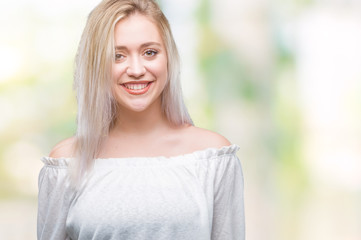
x=136 y=86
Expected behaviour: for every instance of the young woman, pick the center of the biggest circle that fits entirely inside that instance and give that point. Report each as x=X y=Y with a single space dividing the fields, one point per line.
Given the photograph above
x=137 y=168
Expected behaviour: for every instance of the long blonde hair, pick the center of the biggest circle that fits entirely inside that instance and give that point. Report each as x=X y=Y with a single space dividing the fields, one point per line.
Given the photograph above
x=92 y=79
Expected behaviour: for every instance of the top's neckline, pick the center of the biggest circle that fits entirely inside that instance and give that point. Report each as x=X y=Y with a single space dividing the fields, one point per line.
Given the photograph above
x=199 y=154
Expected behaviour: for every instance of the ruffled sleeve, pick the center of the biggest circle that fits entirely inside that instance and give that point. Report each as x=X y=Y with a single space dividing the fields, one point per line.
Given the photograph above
x=225 y=189
x=53 y=199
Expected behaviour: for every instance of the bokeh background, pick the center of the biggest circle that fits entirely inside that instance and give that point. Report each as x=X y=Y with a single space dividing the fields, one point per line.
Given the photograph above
x=281 y=79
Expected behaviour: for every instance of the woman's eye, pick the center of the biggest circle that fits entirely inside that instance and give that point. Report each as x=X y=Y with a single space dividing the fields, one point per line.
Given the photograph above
x=118 y=56
x=150 y=53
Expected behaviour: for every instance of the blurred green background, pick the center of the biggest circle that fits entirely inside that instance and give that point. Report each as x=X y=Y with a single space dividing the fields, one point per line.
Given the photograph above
x=279 y=78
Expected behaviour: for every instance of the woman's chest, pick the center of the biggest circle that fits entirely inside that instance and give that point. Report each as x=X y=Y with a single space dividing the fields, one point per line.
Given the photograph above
x=137 y=202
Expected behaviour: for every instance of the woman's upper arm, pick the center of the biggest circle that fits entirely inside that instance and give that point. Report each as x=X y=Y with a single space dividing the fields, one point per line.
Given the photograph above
x=228 y=211
x=53 y=200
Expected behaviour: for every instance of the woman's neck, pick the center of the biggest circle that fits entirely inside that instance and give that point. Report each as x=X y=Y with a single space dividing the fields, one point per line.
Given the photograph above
x=146 y=122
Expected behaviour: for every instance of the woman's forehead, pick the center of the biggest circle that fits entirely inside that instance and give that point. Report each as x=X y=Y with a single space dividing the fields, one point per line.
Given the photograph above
x=136 y=29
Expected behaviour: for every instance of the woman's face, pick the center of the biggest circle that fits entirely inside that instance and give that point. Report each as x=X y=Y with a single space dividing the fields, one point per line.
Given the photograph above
x=140 y=69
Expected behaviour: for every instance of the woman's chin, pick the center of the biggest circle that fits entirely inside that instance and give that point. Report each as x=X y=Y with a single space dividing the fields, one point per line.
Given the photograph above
x=136 y=107
x=140 y=104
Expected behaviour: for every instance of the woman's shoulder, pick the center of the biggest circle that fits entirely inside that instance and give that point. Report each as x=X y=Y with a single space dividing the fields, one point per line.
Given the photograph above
x=64 y=149
x=201 y=138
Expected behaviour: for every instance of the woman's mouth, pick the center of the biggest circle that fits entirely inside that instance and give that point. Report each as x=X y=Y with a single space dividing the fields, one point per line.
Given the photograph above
x=137 y=88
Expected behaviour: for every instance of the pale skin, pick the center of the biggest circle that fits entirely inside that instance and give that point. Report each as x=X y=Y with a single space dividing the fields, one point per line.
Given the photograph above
x=141 y=130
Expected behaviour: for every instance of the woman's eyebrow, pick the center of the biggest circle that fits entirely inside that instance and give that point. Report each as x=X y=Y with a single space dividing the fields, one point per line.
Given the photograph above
x=147 y=44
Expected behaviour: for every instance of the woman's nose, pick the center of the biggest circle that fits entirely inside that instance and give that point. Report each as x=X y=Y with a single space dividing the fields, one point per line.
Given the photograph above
x=136 y=68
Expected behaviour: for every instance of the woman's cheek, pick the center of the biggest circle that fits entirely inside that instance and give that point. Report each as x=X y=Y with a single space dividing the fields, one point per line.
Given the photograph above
x=158 y=68
x=117 y=71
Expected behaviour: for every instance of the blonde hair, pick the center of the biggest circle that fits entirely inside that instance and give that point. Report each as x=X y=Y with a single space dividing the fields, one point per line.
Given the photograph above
x=92 y=80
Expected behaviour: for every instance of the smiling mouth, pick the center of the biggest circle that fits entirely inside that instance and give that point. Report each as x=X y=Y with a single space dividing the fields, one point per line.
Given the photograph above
x=137 y=88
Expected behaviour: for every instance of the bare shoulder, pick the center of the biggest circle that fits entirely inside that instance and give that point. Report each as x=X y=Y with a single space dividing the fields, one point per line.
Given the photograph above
x=202 y=138
x=64 y=148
